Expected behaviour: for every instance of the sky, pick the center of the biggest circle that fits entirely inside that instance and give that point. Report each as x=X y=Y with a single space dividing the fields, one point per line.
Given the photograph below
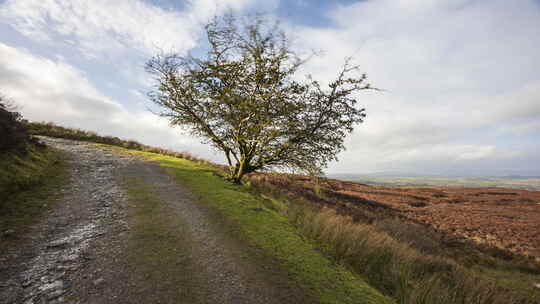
x=460 y=79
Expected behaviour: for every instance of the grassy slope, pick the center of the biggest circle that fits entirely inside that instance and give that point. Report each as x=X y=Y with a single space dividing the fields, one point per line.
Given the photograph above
x=266 y=229
x=28 y=185
x=415 y=255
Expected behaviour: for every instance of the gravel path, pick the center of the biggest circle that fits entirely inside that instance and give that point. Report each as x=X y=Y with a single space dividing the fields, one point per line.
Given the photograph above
x=40 y=269
x=77 y=253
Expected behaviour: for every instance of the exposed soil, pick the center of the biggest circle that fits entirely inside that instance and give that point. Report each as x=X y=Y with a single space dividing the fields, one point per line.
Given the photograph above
x=507 y=219
x=77 y=253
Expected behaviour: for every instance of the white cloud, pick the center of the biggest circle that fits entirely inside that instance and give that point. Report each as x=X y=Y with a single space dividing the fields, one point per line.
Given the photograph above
x=524 y=128
x=23 y=75
x=476 y=152
x=448 y=69
x=52 y=90
x=101 y=27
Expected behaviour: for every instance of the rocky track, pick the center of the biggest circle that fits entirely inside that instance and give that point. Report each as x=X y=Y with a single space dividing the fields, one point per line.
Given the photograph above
x=40 y=269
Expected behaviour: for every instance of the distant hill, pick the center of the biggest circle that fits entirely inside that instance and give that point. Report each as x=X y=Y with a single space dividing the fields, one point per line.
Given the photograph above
x=511 y=181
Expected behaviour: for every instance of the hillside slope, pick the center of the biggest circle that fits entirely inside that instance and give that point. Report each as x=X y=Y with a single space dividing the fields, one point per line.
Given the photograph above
x=124 y=231
x=367 y=237
x=29 y=171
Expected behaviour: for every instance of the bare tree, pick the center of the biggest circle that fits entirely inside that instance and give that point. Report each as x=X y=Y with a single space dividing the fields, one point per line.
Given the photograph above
x=242 y=98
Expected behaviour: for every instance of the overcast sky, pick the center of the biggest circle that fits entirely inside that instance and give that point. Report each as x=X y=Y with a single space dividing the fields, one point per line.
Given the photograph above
x=461 y=78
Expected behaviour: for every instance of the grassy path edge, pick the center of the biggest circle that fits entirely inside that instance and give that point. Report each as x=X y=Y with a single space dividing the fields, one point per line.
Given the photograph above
x=266 y=229
x=29 y=185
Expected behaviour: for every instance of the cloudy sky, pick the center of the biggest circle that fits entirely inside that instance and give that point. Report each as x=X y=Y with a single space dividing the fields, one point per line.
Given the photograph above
x=461 y=78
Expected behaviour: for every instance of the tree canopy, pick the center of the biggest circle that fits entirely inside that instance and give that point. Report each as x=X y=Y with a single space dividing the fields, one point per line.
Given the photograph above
x=244 y=98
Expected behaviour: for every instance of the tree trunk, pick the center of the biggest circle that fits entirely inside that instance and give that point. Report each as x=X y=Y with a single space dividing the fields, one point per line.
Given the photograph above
x=238 y=172
x=240 y=169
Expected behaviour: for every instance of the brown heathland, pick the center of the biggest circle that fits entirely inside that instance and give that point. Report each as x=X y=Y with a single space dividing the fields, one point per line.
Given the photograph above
x=507 y=219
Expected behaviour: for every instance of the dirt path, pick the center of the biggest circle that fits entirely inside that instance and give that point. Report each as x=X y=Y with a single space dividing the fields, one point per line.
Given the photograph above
x=79 y=252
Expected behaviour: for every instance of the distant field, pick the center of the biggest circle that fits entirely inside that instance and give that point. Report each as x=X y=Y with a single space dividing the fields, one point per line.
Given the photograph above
x=472 y=182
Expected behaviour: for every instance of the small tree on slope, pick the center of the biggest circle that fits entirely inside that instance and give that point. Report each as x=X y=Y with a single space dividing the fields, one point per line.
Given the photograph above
x=243 y=99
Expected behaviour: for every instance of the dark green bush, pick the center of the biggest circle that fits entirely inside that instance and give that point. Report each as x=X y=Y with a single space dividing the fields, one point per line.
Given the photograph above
x=13 y=134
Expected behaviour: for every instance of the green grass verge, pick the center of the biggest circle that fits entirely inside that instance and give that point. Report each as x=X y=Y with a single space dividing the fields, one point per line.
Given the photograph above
x=266 y=229
x=29 y=184
x=160 y=248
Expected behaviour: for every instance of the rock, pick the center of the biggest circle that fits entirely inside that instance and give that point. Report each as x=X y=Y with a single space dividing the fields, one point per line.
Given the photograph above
x=55 y=294
x=8 y=233
x=537 y=285
x=26 y=283
x=55 y=285
x=58 y=244
x=98 y=281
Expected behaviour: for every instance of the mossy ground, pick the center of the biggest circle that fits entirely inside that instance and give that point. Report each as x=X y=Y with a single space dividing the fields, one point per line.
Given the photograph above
x=29 y=185
x=264 y=228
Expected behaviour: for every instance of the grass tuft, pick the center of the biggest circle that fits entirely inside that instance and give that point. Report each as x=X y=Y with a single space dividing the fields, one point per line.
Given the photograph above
x=397 y=269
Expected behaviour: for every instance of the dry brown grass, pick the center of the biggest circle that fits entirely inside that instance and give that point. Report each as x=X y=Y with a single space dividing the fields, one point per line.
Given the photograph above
x=403 y=260
x=395 y=268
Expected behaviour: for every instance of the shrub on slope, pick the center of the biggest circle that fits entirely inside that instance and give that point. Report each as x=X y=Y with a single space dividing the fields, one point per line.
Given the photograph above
x=13 y=134
x=28 y=170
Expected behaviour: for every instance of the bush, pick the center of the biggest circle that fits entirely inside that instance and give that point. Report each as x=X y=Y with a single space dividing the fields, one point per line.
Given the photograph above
x=14 y=135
